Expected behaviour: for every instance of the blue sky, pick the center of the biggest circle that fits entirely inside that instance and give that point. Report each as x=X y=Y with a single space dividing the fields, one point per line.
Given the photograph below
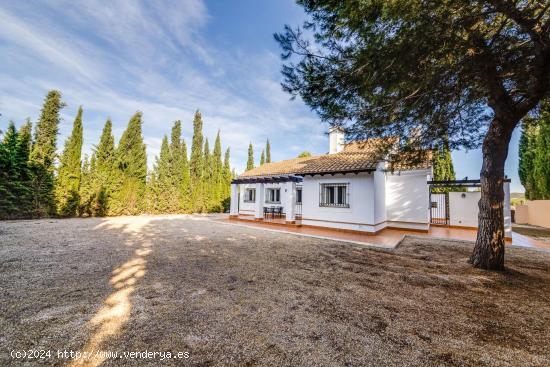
x=167 y=59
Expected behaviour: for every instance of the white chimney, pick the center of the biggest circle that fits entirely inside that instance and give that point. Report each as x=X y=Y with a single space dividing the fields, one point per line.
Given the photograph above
x=336 y=139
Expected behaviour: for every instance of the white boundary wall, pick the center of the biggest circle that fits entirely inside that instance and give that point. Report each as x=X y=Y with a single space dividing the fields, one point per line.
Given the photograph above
x=464 y=209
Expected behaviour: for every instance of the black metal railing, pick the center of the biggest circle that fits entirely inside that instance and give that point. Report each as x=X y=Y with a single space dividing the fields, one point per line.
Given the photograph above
x=439 y=208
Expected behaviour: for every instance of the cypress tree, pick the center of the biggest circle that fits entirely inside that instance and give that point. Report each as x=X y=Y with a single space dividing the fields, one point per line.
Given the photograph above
x=526 y=157
x=262 y=158
x=25 y=139
x=25 y=175
x=217 y=172
x=130 y=170
x=8 y=171
x=227 y=177
x=197 y=165
x=534 y=154
x=161 y=184
x=14 y=175
x=68 y=174
x=250 y=162
x=442 y=165
x=43 y=154
x=185 y=186
x=207 y=177
x=541 y=161
x=267 y=152
x=102 y=173
x=179 y=170
x=86 y=192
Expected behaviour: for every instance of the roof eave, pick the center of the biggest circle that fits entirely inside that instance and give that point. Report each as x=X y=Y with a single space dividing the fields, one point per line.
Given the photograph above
x=333 y=173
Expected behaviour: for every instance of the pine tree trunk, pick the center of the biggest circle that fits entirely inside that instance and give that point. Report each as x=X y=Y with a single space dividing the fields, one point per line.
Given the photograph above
x=489 y=248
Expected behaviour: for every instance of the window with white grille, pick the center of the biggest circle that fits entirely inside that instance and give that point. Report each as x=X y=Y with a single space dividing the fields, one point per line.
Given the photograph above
x=273 y=196
x=250 y=196
x=334 y=195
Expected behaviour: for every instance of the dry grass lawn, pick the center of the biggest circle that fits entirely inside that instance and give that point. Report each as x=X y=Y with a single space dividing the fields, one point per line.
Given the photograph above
x=236 y=296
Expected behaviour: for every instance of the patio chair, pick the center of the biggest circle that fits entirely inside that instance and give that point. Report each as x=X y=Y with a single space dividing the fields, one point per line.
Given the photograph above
x=266 y=211
x=279 y=211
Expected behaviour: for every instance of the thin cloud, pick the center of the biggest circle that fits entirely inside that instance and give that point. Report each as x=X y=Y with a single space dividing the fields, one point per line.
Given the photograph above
x=115 y=58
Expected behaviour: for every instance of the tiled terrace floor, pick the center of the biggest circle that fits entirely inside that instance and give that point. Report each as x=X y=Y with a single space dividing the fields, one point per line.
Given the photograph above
x=387 y=238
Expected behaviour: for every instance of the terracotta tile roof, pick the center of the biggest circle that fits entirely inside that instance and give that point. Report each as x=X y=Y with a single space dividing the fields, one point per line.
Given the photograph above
x=356 y=156
x=371 y=145
x=410 y=161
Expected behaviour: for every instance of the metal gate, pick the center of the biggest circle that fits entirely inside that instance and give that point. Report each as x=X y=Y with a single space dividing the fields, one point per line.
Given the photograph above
x=439 y=197
x=439 y=208
x=298 y=203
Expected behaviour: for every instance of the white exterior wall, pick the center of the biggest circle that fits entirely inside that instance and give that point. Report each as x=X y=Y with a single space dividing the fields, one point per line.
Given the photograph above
x=464 y=211
x=463 y=208
x=234 y=203
x=407 y=199
x=246 y=208
x=359 y=216
x=250 y=208
x=379 y=181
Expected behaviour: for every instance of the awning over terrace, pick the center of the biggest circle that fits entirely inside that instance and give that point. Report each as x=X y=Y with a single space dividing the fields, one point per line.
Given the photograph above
x=267 y=179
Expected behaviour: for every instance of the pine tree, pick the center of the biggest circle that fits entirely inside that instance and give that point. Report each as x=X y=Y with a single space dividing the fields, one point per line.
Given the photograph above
x=103 y=171
x=267 y=152
x=250 y=162
x=43 y=154
x=68 y=174
x=197 y=165
x=130 y=170
x=262 y=158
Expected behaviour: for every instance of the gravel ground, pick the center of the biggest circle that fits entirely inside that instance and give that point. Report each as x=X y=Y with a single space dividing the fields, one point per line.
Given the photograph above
x=231 y=295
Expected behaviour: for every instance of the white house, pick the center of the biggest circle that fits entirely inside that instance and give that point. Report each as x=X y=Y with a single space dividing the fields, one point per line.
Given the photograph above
x=350 y=188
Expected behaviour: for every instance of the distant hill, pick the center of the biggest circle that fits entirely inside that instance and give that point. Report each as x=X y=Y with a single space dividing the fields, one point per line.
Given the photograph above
x=517 y=198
